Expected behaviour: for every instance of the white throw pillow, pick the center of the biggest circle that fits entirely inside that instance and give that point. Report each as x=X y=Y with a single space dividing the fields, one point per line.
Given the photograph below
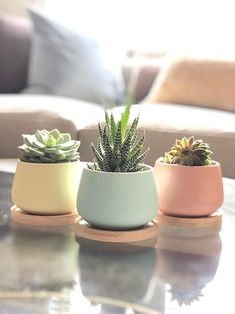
x=68 y=63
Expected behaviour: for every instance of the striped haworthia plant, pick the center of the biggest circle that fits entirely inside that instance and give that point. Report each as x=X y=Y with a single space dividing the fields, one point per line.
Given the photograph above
x=118 y=148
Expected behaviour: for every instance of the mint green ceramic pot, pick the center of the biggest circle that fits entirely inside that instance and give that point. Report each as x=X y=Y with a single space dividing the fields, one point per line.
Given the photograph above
x=117 y=201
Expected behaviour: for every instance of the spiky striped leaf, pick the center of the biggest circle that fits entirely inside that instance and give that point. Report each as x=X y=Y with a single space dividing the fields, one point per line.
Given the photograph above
x=108 y=150
x=98 y=158
x=113 y=128
x=100 y=148
x=126 y=147
x=118 y=138
x=138 y=160
x=137 y=147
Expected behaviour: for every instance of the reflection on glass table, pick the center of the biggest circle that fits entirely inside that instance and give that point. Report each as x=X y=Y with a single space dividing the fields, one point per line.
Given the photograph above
x=123 y=273
x=50 y=271
x=187 y=265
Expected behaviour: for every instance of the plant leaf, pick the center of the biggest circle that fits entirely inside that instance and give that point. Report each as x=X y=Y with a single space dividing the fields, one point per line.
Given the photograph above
x=126 y=113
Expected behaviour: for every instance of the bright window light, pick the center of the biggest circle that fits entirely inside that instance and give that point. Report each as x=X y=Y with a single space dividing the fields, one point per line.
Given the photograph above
x=182 y=26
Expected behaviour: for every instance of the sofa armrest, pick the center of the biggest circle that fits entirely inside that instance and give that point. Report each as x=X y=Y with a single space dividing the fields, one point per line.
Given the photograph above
x=15 y=36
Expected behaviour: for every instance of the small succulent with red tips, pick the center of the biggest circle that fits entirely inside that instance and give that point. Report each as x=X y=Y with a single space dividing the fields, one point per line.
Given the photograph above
x=188 y=152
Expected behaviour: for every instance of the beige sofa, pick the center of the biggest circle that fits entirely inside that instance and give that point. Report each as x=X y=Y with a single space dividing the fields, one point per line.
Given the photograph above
x=162 y=122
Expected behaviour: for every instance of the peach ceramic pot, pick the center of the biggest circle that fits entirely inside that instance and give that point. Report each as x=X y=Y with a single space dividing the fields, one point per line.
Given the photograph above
x=189 y=191
x=46 y=189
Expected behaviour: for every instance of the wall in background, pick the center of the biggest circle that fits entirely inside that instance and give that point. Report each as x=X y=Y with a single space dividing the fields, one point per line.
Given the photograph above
x=17 y=7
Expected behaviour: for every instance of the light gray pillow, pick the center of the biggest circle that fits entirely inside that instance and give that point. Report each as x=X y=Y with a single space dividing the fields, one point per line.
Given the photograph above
x=68 y=63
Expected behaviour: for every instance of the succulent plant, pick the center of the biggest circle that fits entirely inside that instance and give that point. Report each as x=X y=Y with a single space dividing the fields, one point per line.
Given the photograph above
x=118 y=149
x=49 y=147
x=186 y=296
x=188 y=152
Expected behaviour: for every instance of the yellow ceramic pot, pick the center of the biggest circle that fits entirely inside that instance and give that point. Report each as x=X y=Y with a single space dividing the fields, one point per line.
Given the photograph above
x=46 y=189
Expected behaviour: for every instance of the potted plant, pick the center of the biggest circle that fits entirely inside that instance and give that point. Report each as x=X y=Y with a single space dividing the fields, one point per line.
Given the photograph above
x=118 y=191
x=47 y=175
x=188 y=182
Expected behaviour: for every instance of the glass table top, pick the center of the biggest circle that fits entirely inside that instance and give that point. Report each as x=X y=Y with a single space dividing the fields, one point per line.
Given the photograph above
x=50 y=270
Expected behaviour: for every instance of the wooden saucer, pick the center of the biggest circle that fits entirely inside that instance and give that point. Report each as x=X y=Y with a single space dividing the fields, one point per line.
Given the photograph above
x=193 y=226
x=84 y=230
x=17 y=215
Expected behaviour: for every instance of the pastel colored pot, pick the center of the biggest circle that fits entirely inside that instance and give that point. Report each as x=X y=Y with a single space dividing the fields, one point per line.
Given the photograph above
x=46 y=189
x=118 y=200
x=189 y=191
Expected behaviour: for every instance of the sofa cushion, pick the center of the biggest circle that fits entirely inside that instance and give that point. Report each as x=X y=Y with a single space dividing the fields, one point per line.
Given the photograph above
x=20 y=114
x=163 y=123
x=139 y=73
x=200 y=82
x=15 y=37
x=68 y=63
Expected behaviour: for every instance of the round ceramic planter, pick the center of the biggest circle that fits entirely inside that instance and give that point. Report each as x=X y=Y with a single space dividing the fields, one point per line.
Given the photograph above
x=189 y=191
x=117 y=201
x=46 y=189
